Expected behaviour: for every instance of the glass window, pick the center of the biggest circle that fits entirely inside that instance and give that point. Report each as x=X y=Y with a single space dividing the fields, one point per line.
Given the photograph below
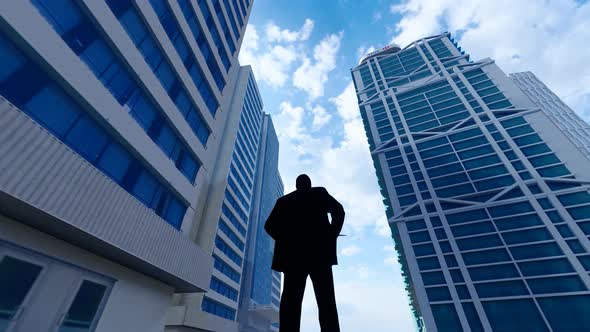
x=575 y=198
x=415 y=225
x=166 y=139
x=82 y=312
x=472 y=317
x=62 y=14
x=53 y=109
x=502 y=288
x=175 y=213
x=87 y=138
x=556 y=285
x=502 y=314
x=145 y=187
x=438 y=294
x=456 y=275
x=500 y=271
x=446 y=317
x=16 y=280
x=115 y=161
x=536 y=251
x=419 y=237
x=433 y=278
x=424 y=249
x=12 y=59
x=472 y=215
x=429 y=263
x=529 y=235
x=509 y=209
x=567 y=313
x=485 y=241
x=471 y=229
x=486 y=256
x=518 y=222
x=544 y=267
x=554 y=171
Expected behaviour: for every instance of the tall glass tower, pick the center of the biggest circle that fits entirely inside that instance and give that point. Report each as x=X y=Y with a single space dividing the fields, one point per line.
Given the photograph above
x=486 y=197
x=260 y=288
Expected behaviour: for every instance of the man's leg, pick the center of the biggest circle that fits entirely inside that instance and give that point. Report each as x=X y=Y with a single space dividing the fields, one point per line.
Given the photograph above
x=323 y=286
x=290 y=310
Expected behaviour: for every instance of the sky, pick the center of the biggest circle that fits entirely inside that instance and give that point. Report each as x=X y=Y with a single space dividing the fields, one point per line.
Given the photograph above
x=301 y=53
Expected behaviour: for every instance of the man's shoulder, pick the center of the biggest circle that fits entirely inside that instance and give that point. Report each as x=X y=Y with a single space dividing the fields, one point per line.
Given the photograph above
x=319 y=190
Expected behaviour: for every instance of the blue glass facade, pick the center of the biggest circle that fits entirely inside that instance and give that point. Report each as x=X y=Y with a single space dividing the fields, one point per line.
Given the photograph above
x=261 y=286
x=486 y=210
x=26 y=85
x=230 y=241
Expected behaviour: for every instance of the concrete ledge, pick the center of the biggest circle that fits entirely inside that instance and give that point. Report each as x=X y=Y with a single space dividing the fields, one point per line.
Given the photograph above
x=46 y=185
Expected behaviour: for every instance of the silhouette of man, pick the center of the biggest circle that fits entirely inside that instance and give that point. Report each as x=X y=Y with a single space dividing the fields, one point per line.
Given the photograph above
x=305 y=245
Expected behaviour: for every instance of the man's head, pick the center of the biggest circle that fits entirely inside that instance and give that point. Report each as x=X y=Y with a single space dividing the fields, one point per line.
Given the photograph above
x=303 y=182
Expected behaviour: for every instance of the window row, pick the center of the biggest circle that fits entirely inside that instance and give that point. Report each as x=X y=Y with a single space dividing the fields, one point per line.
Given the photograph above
x=224 y=268
x=50 y=106
x=218 y=309
x=82 y=37
x=173 y=31
x=127 y=15
x=223 y=289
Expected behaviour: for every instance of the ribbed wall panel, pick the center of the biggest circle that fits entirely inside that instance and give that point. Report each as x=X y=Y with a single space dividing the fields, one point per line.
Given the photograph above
x=39 y=170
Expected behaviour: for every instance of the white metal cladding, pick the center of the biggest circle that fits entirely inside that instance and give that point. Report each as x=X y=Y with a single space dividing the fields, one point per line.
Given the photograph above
x=406 y=140
x=45 y=184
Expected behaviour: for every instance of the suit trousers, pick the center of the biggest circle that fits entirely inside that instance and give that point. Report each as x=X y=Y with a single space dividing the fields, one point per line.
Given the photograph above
x=292 y=297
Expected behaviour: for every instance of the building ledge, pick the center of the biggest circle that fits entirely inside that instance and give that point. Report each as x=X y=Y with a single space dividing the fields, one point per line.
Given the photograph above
x=46 y=185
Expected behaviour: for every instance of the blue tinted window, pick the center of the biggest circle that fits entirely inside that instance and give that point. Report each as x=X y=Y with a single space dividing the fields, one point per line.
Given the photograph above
x=433 y=278
x=491 y=272
x=575 y=198
x=529 y=235
x=467 y=216
x=502 y=288
x=419 y=237
x=567 y=313
x=509 y=209
x=485 y=241
x=446 y=317
x=501 y=316
x=518 y=222
x=486 y=256
x=429 y=263
x=145 y=187
x=58 y=119
x=456 y=275
x=544 y=267
x=415 y=225
x=87 y=138
x=438 y=294
x=470 y=229
x=115 y=161
x=472 y=317
x=536 y=250
x=556 y=285
x=424 y=249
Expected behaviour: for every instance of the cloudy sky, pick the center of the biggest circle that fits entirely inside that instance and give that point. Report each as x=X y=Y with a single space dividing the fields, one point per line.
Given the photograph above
x=302 y=52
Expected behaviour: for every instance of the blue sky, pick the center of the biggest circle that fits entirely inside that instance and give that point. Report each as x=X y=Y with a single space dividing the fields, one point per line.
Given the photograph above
x=302 y=52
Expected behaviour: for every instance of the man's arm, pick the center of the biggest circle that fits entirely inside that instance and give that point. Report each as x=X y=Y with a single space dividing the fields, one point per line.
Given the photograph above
x=272 y=223
x=336 y=211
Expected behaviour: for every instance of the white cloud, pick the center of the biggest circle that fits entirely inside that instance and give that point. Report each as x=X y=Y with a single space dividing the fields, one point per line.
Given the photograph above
x=270 y=63
x=320 y=117
x=545 y=37
x=311 y=76
x=290 y=121
x=350 y=250
x=275 y=34
x=377 y=16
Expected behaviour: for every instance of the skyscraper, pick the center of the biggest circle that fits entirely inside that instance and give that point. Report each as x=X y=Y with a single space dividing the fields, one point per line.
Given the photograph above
x=486 y=197
x=112 y=117
x=576 y=129
x=260 y=289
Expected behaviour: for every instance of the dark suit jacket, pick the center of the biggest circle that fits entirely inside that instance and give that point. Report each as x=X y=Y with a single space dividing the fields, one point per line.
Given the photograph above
x=302 y=232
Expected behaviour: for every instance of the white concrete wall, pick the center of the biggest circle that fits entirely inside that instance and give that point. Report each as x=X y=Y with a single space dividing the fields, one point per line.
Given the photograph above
x=136 y=302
